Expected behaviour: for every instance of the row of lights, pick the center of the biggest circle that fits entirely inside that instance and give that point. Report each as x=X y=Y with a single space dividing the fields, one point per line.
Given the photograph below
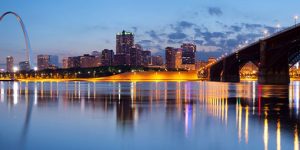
x=16 y=69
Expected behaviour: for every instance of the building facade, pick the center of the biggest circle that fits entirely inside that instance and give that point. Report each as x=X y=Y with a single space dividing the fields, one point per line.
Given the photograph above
x=9 y=64
x=124 y=42
x=146 y=58
x=89 y=61
x=157 y=61
x=173 y=58
x=136 y=55
x=24 y=66
x=107 y=57
x=188 y=53
x=47 y=62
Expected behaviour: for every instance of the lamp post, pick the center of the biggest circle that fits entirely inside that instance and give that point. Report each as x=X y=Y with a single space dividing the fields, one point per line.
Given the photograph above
x=296 y=18
x=35 y=70
x=265 y=32
x=278 y=26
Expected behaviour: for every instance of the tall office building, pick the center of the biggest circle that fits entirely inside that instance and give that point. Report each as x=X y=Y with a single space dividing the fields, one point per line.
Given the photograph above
x=188 y=53
x=9 y=63
x=136 y=55
x=43 y=62
x=173 y=58
x=124 y=42
x=107 y=57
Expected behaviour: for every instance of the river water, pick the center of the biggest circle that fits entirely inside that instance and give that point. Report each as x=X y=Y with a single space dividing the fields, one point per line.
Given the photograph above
x=148 y=115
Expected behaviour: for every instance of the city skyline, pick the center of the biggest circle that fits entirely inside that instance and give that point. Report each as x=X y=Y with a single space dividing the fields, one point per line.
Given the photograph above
x=222 y=30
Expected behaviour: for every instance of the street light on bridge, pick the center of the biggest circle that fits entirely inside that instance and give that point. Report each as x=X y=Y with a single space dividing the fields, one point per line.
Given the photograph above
x=278 y=26
x=265 y=32
x=296 y=18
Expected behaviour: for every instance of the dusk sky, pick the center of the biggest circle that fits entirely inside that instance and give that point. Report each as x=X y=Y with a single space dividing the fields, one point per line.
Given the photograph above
x=75 y=27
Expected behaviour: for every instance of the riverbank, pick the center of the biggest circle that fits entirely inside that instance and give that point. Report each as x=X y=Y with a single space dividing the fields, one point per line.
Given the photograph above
x=133 y=76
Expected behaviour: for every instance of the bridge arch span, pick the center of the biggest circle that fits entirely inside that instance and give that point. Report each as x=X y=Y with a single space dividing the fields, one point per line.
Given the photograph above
x=27 y=42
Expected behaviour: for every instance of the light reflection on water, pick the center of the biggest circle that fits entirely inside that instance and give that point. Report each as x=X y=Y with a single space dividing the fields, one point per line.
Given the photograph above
x=148 y=115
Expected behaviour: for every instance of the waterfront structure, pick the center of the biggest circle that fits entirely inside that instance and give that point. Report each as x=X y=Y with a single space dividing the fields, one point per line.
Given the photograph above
x=274 y=55
x=9 y=63
x=173 y=58
x=24 y=66
x=124 y=42
x=107 y=57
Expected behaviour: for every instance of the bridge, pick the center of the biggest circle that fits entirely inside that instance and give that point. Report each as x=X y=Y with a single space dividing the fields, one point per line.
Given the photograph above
x=273 y=55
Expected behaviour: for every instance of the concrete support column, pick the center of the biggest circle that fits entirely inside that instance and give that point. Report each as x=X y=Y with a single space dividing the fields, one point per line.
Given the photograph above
x=274 y=66
x=231 y=72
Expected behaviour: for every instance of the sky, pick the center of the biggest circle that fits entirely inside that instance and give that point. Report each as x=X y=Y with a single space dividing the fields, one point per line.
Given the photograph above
x=75 y=27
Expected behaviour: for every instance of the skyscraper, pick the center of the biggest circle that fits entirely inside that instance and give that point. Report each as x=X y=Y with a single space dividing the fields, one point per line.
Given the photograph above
x=124 y=42
x=173 y=58
x=136 y=55
x=9 y=63
x=188 y=53
x=43 y=62
x=107 y=57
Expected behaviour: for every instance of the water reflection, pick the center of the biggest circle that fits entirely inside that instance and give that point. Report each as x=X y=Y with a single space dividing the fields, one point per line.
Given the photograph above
x=262 y=117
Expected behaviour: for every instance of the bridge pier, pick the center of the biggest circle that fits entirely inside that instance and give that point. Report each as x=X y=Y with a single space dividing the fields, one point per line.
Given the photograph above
x=231 y=71
x=274 y=66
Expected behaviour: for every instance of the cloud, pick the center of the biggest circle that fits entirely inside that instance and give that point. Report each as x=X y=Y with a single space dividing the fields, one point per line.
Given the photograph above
x=226 y=38
x=177 y=35
x=236 y=28
x=207 y=48
x=185 y=24
x=215 y=11
x=153 y=35
x=252 y=26
x=135 y=29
